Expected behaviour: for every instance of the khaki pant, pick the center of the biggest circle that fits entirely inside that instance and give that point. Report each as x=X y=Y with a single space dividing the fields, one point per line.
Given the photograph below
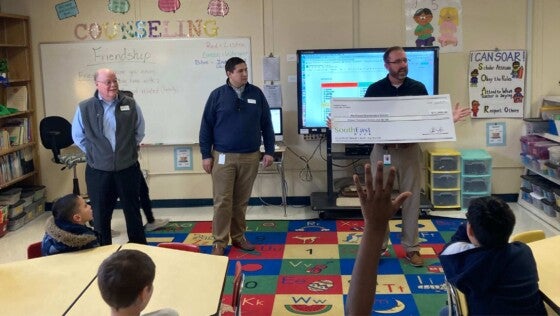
x=409 y=164
x=232 y=183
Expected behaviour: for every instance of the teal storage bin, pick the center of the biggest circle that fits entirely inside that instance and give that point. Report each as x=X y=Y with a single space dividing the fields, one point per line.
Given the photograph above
x=476 y=162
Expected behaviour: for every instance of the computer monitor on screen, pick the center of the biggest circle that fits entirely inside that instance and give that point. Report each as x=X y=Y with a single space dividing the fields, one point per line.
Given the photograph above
x=276 y=115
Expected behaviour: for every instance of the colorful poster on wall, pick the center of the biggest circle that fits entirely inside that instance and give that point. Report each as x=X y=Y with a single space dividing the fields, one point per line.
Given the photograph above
x=497 y=83
x=434 y=23
x=183 y=158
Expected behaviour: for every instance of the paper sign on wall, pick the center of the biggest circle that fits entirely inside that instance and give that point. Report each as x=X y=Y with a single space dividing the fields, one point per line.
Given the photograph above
x=497 y=83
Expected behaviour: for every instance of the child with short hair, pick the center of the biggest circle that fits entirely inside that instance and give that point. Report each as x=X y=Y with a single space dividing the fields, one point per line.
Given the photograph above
x=66 y=231
x=125 y=280
x=496 y=276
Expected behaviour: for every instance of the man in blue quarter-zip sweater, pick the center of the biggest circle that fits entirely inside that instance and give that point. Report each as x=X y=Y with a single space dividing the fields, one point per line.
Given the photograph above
x=108 y=127
x=235 y=118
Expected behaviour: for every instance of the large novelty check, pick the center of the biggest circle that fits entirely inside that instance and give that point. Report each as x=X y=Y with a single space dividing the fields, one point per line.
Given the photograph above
x=410 y=119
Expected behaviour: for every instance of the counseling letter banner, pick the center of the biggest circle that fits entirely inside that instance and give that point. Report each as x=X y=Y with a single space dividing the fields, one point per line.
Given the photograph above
x=497 y=83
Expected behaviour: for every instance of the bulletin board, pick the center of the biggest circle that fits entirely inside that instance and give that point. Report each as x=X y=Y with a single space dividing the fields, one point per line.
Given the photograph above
x=170 y=78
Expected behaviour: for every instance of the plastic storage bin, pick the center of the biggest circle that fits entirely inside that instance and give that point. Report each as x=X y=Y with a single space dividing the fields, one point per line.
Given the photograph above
x=554 y=154
x=526 y=195
x=528 y=140
x=476 y=162
x=27 y=198
x=549 y=207
x=467 y=198
x=476 y=184
x=10 y=196
x=535 y=125
x=445 y=198
x=16 y=209
x=17 y=222
x=445 y=180
x=552 y=169
x=539 y=150
x=444 y=160
x=537 y=200
x=38 y=191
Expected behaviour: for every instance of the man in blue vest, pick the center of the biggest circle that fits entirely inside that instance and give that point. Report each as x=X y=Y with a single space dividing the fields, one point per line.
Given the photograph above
x=108 y=127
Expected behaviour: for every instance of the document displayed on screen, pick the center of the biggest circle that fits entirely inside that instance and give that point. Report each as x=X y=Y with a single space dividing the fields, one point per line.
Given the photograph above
x=347 y=73
x=410 y=119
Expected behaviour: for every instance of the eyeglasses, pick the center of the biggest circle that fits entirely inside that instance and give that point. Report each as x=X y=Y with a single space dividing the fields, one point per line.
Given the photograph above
x=108 y=82
x=399 y=61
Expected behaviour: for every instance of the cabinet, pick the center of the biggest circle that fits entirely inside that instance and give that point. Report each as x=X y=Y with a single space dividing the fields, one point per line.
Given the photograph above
x=19 y=161
x=539 y=185
x=476 y=175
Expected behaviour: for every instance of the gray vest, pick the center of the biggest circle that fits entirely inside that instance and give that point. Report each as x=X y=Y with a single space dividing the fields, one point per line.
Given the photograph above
x=99 y=153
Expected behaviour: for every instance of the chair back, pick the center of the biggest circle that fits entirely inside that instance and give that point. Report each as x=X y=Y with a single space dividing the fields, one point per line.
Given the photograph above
x=457 y=301
x=238 y=280
x=34 y=250
x=56 y=134
x=179 y=246
x=528 y=236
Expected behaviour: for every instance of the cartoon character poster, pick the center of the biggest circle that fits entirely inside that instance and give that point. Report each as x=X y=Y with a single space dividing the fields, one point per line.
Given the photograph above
x=434 y=23
x=496 y=80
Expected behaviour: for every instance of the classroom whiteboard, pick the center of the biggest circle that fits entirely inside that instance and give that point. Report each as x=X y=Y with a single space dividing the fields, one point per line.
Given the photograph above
x=170 y=78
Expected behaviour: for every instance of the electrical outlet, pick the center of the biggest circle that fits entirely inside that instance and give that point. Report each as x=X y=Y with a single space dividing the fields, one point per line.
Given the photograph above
x=312 y=136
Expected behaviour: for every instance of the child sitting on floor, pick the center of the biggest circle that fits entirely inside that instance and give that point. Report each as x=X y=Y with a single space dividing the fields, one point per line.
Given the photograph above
x=66 y=230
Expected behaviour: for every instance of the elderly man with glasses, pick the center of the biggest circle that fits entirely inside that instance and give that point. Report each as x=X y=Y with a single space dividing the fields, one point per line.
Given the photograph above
x=108 y=128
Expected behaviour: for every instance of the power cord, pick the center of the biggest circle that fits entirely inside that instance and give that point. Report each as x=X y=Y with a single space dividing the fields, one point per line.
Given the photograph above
x=305 y=173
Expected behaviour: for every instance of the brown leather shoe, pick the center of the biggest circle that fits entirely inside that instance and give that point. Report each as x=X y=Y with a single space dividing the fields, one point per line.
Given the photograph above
x=415 y=259
x=217 y=250
x=243 y=244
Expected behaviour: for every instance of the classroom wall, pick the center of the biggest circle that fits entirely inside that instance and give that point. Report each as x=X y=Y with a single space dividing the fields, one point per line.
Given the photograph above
x=283 y=26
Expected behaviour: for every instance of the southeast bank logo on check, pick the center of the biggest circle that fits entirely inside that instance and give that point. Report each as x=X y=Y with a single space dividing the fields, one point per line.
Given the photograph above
x=354 y=131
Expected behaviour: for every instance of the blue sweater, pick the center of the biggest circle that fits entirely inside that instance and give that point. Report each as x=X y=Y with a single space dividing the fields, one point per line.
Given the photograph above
x=495 y=281
x=235 y=125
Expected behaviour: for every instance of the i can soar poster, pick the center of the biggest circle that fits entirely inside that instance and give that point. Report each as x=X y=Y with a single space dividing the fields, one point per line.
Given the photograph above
x=497 y=83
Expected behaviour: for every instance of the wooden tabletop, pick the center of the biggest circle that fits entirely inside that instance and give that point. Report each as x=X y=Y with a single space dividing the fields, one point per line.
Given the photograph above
x=548 y=265
x=190 y=283
x=49 y=285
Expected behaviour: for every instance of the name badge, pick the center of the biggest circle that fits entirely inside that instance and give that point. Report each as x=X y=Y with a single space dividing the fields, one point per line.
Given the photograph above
x=221 y=159
x=252 y=101
x=125 y=108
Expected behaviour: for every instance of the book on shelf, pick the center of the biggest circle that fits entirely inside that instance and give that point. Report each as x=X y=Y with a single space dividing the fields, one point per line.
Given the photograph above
x=16 y=97
x=18 y=131
x=11 y=166
x=4 y=139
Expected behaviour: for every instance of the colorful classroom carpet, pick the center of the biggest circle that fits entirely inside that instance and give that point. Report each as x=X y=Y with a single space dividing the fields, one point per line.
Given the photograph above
x=303 y=267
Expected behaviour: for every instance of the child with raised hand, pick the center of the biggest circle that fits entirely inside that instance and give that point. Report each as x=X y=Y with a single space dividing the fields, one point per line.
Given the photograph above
x=66 y=231
x=377 y=210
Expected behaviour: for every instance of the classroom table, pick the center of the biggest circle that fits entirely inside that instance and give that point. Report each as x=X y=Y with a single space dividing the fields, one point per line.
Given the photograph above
x=549 y=269
x=48 y=285
x=191 y=283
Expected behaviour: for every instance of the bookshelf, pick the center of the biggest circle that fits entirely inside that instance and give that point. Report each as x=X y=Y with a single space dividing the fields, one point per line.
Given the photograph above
x=19 y=160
